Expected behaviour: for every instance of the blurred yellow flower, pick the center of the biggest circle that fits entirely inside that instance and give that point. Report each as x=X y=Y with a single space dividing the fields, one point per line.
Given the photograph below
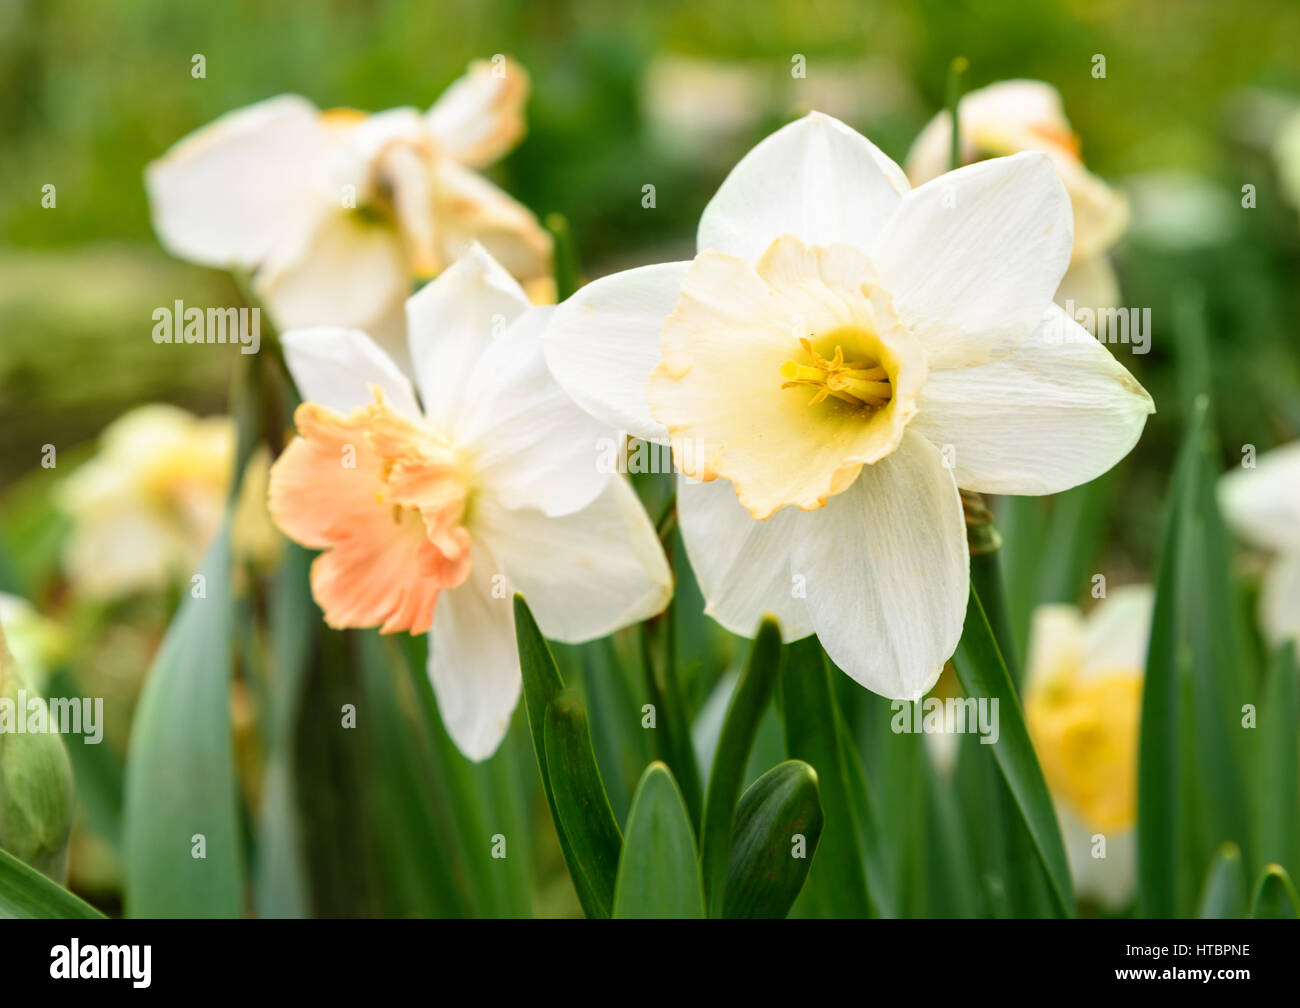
x=1083 y=702
x=1024 y=115
x=145 y=508
x=339 y=212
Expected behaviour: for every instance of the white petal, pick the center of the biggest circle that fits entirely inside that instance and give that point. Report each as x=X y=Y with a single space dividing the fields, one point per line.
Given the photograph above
x=978 y=250
x=480 y=115
x=1056 y=644
x=586 y=574
x=887 y=572
x=340 y=271
x=533 y=446
x=1088 y=283
x=1118 y=631
x=451 y=321
x=468 y=209
x=1056 y=411
x=1002 y=110
x=473 y=659
x=1110 y=880
x=224 y=195
x=603 y=343
x=336 y=367
x=742 y=565
x=1279 y=599
x=816 y=178
x=1263 y=504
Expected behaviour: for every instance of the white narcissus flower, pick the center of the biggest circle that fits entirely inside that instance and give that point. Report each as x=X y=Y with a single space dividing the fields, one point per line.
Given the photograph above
x=1263 y=506
x=1024 y=115
x=840 y=356
x=146 y=506
x=433 y=512
x=1083 y=708
x=339 y=212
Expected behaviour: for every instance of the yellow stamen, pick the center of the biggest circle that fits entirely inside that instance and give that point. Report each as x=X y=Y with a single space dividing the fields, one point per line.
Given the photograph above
x=858 y=383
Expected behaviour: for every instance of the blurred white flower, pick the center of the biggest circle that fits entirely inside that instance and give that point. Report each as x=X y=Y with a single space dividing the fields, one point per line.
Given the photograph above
x=146 y=506
x=843 y=353
x=1083 y=705
x=340 y=212
x=1024 y=115
x=37 y=642
x=1263 y=506
x=432 y=513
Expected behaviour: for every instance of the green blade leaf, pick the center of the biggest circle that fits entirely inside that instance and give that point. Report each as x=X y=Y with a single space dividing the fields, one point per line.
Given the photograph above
x=26 y=893
x=180 y=773
x=1275 y=897
x=982 y=673
x=1159 y=818
x=658 y=870
x=738 y=730
x=850 y=877
x=778 y=824
x=1224 y=893
x=542 y=683
x=1277 y=773
x=581 y=805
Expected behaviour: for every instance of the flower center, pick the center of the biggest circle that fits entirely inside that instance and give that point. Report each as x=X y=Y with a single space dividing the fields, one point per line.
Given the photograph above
x=860 y=382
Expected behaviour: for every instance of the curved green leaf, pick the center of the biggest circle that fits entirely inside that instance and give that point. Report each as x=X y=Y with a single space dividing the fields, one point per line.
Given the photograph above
x=778 y=824
x=1275 y=897
x=542 y=683
x=581 y=805
x=26 y=893
x=658 y=870
x=850 y=878
x=983 y=673
x=748 y=703
x=180 y=774
x=1224 y=894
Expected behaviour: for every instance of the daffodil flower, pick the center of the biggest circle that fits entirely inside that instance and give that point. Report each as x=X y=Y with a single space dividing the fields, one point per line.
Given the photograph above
x=433 y=511
x=842 y=353
x=1027 y=115
x=1263 y=506
x=339 y=212
x=1083 y=705
x=145 y=507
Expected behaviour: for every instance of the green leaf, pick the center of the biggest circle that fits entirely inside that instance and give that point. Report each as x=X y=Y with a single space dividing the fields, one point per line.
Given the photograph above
x=1224 y=893
x=581 y=805
x=180 y=773
x=1159 y=816
x=764 y=875
x=658 y=870
x=280 y=875
x=1275 y=897
x=542 y=683
x=26 y=893
x=983 y=673
x=744 y=713
x=1278 y=776
x=850 y=877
